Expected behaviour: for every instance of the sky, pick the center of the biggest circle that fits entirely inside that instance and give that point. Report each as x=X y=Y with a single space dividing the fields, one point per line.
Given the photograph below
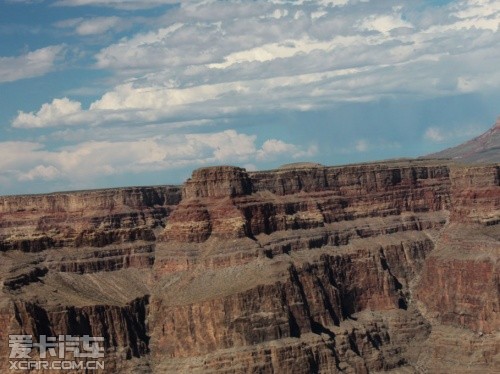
x=107 y=93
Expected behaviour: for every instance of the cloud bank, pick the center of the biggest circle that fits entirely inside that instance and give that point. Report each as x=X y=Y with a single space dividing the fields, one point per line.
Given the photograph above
x=27 y=161
x=201 y=64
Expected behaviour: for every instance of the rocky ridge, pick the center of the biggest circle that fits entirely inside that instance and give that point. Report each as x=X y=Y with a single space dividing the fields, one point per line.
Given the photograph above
x=484 y=148
x=361 y=268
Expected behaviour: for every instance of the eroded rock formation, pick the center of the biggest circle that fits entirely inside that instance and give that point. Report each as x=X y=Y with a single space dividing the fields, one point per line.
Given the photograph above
x=363 y=268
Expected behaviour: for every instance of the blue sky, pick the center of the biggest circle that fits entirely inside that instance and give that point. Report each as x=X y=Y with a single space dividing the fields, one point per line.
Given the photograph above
x=103 y=93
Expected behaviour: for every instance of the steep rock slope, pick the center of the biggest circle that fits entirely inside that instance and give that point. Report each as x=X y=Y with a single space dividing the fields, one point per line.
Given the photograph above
x=483 y=149
x=77 y=263
x=364 y=268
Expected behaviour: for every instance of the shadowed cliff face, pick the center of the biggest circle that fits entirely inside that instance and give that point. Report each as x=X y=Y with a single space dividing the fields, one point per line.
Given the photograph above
x=303 y=269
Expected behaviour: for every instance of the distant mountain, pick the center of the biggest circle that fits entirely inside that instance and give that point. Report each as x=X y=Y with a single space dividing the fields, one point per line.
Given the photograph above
x=483 y=149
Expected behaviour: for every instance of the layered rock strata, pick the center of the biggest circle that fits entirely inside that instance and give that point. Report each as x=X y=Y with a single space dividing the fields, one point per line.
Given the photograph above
x=361 y=268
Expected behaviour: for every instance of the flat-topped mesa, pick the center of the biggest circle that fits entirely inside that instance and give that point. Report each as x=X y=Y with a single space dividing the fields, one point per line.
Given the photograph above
x=96 y=218
x=217 y=181
x=92 y=200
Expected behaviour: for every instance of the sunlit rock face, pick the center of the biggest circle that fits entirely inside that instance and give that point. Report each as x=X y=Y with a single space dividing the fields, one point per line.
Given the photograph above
x=306 y=268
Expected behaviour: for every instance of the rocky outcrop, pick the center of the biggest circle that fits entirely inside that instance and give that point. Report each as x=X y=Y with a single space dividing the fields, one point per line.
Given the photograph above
x=301 y=198
x=475 y=194
x=121 y=326
x=217 y=182
x=55 y=249
x=307 y=268
x=93 y=200
x=463 y=292
x=460 y=280
x=34 y=223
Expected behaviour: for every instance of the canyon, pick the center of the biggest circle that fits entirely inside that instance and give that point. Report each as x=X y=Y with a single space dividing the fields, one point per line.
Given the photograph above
x=378 y=267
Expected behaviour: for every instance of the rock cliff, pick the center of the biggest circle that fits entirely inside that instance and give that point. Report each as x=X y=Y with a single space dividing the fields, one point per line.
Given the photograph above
x=307 y=268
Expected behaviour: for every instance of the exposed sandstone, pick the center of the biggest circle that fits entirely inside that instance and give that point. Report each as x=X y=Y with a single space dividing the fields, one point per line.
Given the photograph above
x=362 y=268
x=217 y=182
x=475 y=194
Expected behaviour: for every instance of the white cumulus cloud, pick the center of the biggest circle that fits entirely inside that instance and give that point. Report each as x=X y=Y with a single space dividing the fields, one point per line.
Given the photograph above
x=82 y=162
x=215 y=59
x=384 y=23
x=31 y=64
x=50 y=114
x=40 y=172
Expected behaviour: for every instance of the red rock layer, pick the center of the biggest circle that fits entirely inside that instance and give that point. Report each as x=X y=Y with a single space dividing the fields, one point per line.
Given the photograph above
x=475 y=194
x=304 y=269
x=217 y=182
x=301 y=198
x=33 y=223
x=460 y=281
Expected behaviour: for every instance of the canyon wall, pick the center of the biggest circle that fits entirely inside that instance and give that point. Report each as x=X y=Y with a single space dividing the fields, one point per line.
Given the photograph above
x=362 y=268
